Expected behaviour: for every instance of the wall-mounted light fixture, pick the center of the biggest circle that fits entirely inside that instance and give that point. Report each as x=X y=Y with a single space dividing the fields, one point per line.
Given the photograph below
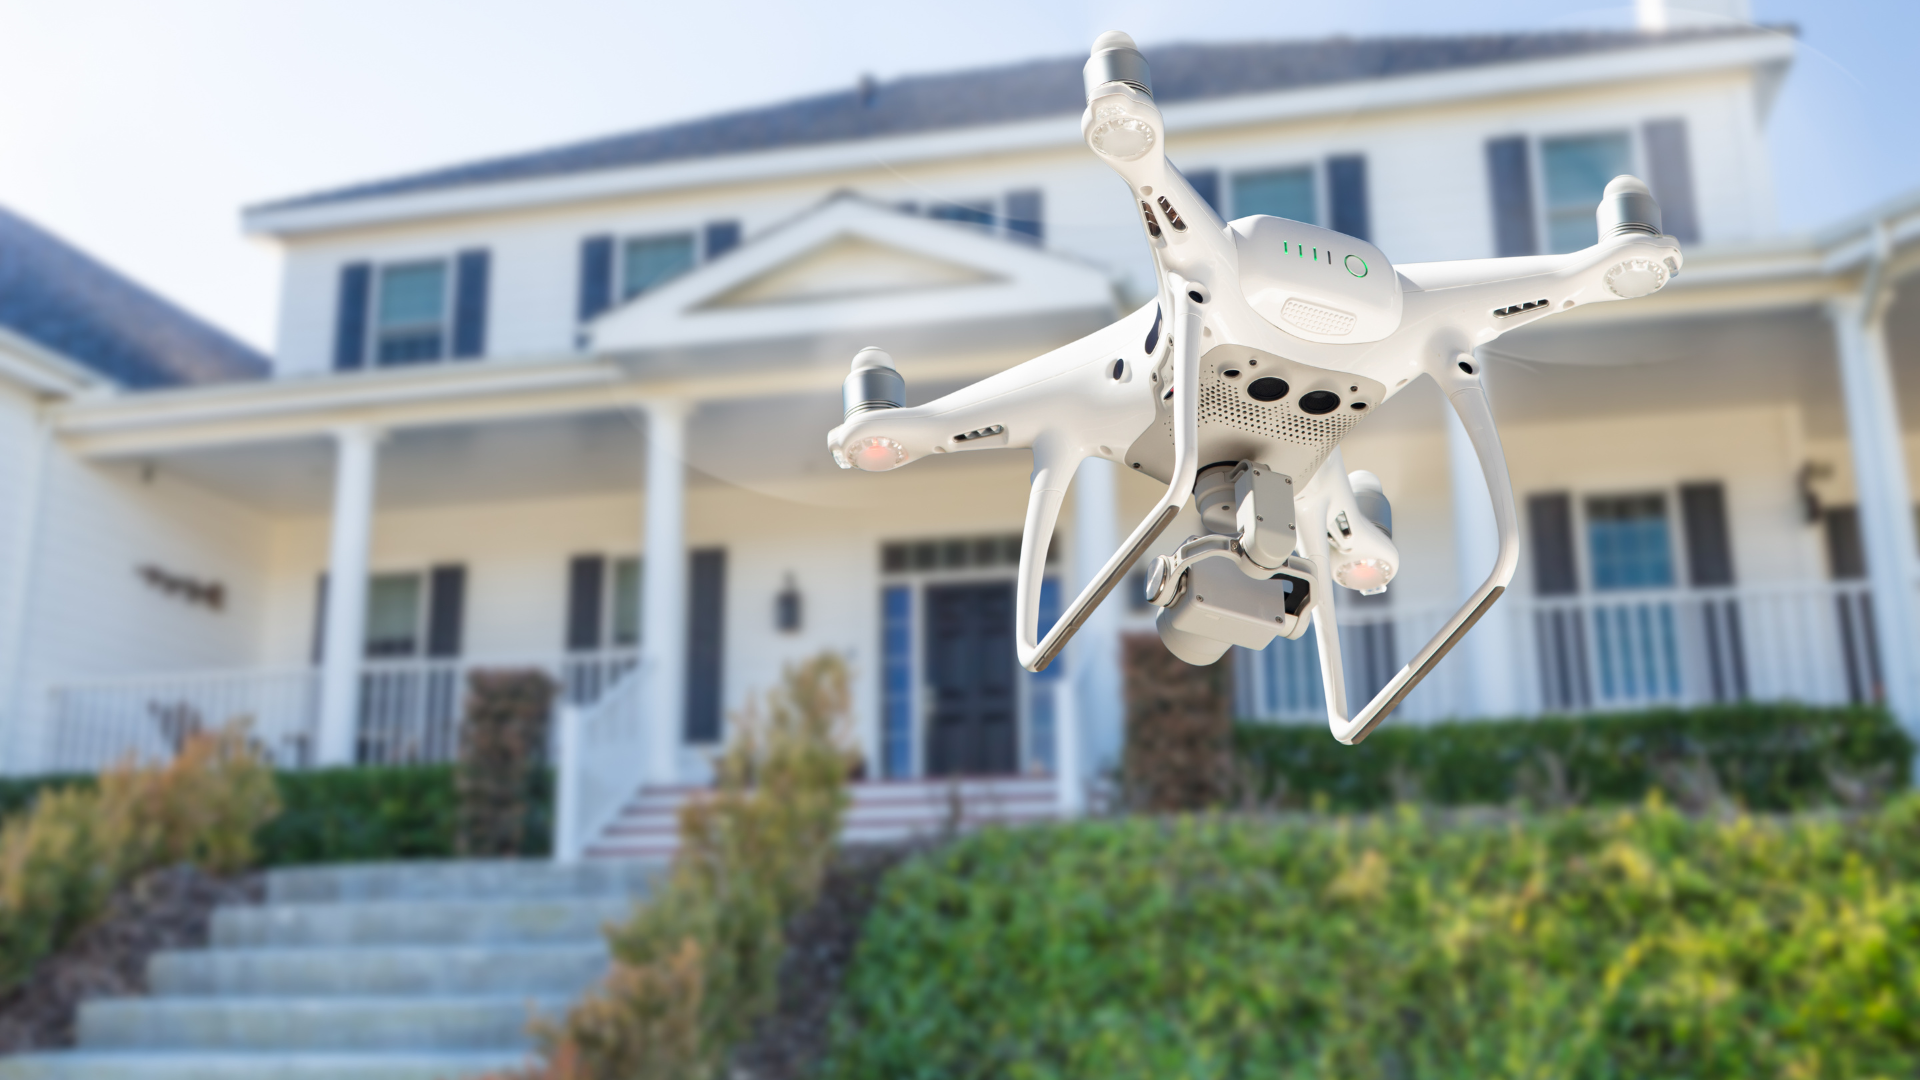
x=786 y=608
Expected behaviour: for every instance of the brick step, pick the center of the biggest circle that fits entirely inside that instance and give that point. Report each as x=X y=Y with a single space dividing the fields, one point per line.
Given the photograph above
x=544 y=970
x=441 y=922
x=493 y=1022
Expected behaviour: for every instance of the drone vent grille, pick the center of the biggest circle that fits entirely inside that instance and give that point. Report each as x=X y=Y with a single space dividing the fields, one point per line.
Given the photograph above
x=1224 y=404
x=1315 y=319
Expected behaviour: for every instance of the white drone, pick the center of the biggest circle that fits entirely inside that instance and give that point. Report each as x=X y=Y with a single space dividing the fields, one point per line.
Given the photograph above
x=1268 y=341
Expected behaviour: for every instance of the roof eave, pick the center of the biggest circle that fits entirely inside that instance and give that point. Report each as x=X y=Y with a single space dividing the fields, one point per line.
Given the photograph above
x=40 y=370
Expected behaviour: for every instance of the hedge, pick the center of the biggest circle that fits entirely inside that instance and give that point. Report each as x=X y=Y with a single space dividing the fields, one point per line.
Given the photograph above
x=1764 y=757
x=1632 y=942
x=349 y=814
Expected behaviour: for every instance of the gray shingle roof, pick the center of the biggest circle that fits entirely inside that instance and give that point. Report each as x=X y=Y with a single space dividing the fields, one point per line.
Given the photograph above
x=1038 y=88
x=77 y=306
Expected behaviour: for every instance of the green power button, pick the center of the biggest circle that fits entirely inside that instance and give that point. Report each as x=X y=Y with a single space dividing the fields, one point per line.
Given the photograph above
x=1356 y=266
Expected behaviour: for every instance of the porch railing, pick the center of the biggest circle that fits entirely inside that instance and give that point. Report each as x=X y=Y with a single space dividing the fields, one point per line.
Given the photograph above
x=602 y=762
x=1610 y=651
x=410 y=709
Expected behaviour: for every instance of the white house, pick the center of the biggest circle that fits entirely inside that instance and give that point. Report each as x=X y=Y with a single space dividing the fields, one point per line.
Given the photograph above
x=567 y=408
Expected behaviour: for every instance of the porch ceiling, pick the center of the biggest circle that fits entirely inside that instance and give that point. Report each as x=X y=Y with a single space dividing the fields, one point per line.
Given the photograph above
x=773 y=445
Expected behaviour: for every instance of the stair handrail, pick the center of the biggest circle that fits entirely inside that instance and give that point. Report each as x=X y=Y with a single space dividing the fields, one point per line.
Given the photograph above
x=603 y=762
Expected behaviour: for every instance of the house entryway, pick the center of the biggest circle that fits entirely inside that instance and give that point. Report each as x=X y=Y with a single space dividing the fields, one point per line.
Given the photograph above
x=971 y=670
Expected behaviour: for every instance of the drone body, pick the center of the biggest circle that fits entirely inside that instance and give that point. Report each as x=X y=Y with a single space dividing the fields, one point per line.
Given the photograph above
x=1268 y=341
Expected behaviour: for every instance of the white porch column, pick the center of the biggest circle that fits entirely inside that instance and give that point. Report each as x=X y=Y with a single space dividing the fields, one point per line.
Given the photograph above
x=346 y=617
x=1490 y=656
x=1886 y=499
x=663 y=599
x=1094 y=659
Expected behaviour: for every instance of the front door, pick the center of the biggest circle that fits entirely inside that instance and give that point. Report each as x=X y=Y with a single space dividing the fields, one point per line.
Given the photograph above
x=971 y=668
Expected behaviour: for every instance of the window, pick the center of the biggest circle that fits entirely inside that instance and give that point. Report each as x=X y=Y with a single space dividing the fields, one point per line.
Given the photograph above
x=650 y=261
x=1628 y=542
x=411 y=313
x=625 y=605
x=1287 y=193
x=955 y=553
x=393 y=615
x=975 y=212
x=1574 y=174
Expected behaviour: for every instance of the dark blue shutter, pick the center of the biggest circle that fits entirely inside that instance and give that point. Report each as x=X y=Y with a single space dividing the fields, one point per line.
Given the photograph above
x=1510 y=179
x=1550 y=519
x=1206 y=184
x=1347 y=195
x=350 y=317
x=706 y=626
x=722 y=237
x=586 y=589
x=1846 y=549
x=1025 y=221
x=446 y=609
x=470 y=273
x=596 y=276
x=1703 y=513
x=1670 y=175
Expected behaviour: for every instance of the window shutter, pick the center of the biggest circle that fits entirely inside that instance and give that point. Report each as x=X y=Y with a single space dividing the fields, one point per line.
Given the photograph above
x=350 y=317
x=1550 y=519
x=1024 y=216
x=722 y=237
x=1206 y=184
x=1511 y=182
x=706 y=626
x=446 y=609
x=596 y=276
x=1703 y=513
x=1670 y=175
x=320 y=618
x=586 y=586
x=470 y=273
x=1347 y=195
x=1846 y=553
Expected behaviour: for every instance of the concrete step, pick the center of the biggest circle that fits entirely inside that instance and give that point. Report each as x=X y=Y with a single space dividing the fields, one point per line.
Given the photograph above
x=462 y=879
x=493 y=1022
x=208 y=1065
x=442 y=922
x=556 y=970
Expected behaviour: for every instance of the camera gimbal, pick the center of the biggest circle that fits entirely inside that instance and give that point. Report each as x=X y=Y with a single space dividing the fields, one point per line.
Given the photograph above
x=1269 y=340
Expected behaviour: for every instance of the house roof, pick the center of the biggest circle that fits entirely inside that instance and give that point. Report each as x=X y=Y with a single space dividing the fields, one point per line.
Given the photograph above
x=1024 y=91
x=70 y=303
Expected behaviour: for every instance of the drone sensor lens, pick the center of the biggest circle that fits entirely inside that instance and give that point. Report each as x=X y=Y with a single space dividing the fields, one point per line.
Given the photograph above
x=1319 y=402
x=1230 y=373
x=1268 y=389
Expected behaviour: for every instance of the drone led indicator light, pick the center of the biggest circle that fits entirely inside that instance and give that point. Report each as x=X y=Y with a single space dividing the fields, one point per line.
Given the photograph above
x=1352 y=260
x=877 y=453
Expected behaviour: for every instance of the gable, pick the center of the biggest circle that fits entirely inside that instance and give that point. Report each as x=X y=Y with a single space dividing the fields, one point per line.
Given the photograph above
x=848 y=265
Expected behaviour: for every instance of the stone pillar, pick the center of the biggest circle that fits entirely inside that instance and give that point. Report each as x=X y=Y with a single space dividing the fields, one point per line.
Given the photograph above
x=663 y=599
x=1488 y=662
x=346 y=616
x=1094 y=657
x=1886 y=499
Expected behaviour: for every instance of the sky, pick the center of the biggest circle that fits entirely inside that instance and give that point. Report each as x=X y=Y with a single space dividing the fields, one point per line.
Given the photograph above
x=138 y=129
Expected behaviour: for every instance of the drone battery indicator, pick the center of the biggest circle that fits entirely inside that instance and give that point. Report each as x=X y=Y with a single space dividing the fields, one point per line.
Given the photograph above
x=1356 y=266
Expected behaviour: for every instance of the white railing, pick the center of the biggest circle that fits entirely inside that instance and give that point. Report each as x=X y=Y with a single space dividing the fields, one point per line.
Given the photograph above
x=410 y=709
x=1607 y=651
x=602 y=762
x=107 y=721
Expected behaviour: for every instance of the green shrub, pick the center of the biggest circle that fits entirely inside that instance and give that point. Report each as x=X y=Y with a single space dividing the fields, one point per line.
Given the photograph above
x=356 y=814
x=63 y=858
x=1764 y=757
x=696 y=967
x=1596 y=944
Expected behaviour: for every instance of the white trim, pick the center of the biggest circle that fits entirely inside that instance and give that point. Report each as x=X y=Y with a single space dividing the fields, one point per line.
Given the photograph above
x=41 y=370
x=1520 y=78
